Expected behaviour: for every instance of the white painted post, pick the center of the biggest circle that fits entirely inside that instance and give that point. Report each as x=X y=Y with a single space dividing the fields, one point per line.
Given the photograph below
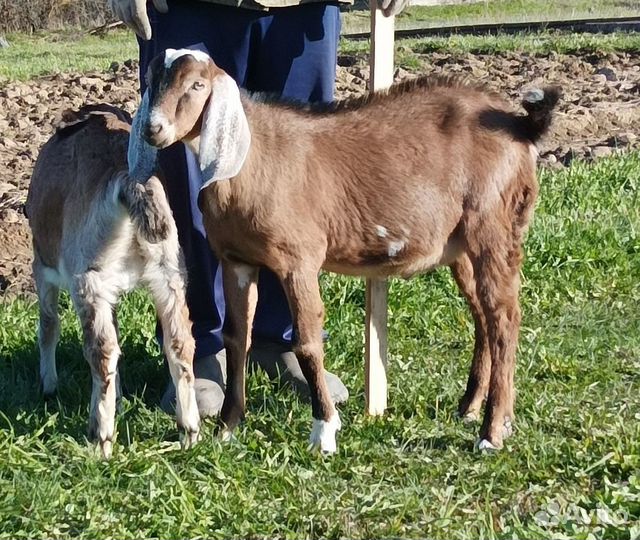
x=381 y=76
x=375 y=373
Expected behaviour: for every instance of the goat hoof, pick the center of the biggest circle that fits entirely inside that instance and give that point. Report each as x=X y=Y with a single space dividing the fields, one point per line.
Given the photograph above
x=49 y=390
x=188 y=439
x=323 y=434
x=106 y=448
x=486 y=447
x=226 y=435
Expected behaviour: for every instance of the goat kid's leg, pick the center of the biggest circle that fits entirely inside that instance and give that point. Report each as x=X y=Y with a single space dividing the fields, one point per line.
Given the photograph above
x=240 y=283
x=168 y=290
x=48 y=328
x=114 y=319
x=478 y=381
x=496 y=267
x=165 y=275
x=94 y=300
x=307 y=310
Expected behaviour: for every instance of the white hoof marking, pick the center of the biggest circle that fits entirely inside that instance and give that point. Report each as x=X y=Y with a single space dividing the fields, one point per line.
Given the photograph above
x=484 y=445
x=106 y=447
x=226 y=435
x=323 y=434
x=188 y=439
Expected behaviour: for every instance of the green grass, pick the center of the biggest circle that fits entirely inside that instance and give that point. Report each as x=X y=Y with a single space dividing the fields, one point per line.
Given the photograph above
x=44 y=53
x=33 y=56
x=412 y=53
x=494 y=11
x=570 y=471
x=409 y=51
x=497 y=10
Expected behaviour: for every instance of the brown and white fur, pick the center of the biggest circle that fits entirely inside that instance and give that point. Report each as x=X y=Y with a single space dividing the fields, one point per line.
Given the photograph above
x=433 y=172
x=98 y=233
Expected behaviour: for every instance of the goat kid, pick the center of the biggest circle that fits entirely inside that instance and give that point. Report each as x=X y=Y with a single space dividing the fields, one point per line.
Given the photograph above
x=433 y=172
x=98 y=233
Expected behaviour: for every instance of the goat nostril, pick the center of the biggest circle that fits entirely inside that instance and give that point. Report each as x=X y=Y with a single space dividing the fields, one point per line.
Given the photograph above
x=151 y=130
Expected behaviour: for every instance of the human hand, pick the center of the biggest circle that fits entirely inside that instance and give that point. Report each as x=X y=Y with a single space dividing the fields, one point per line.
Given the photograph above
x=133 y=13
x=392 y=7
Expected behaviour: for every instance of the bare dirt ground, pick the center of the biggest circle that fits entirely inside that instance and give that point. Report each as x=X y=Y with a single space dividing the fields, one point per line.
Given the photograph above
x=599 y=115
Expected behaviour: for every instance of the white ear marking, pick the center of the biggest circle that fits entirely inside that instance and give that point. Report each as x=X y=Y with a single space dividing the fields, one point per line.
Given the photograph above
x=170 y=55
x=141 y=156
x=225 y=137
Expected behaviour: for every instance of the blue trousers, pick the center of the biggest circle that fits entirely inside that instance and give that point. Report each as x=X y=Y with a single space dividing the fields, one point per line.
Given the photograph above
x=289 y=52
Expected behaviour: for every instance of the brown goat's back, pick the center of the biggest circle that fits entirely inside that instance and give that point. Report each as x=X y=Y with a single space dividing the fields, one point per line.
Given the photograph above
x=388 y=178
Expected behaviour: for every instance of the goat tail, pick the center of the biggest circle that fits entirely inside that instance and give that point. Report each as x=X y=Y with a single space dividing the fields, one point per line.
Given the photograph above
x=147 y=207
x=539 y=104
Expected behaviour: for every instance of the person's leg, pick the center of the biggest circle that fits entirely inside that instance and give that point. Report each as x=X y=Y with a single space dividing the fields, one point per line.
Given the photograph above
x=294 y=57
x=233 y=37
x=298 y=51
x=306 y=73
x=226 y=35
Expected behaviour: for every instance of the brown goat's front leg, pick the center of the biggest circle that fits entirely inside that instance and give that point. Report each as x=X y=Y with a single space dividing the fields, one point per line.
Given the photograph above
x=241 y=295
x=307 y=310
x=478 y=381
x=496 y=267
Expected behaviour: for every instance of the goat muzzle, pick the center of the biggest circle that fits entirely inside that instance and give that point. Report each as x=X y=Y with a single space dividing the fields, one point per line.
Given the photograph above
x=156 y=135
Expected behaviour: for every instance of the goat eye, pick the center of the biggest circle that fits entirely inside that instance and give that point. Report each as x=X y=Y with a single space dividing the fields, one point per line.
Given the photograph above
x=198 y=85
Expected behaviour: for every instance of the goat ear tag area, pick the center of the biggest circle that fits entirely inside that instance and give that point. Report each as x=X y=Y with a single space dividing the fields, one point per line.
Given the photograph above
x=141 y=156
x=225 y=137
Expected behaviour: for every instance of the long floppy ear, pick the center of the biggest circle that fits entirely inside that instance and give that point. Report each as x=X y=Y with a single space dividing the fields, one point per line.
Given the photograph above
x=225 y=137
x=142 y=157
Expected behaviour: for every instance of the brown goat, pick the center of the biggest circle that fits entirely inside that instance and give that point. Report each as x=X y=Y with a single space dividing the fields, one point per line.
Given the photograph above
x=433 y=172
x=98 y=233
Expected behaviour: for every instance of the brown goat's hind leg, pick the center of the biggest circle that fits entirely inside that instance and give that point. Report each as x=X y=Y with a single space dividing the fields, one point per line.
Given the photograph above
x=496 y=267
x=478 y=382
x=241 y=295
x=303 y=292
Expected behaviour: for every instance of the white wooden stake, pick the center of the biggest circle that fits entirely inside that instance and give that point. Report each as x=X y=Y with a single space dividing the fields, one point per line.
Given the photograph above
x=375 y=373
x=381 y=76
x=381 y=59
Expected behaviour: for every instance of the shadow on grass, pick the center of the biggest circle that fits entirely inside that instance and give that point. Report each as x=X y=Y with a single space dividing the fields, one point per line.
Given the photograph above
x=23 y=408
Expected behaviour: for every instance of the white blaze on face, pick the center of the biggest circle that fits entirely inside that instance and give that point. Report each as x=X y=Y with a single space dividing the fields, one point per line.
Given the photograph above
x=158 y=118
x=381 y=231
x=170 y=56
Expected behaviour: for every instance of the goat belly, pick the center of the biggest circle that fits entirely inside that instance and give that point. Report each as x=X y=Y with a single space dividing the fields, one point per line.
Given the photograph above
x=387 y=254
